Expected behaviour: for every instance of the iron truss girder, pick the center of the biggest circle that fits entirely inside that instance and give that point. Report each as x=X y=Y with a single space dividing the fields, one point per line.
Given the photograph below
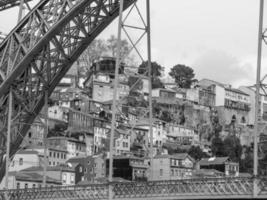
x=39 y=51
x=216 y=188
x=6 y=4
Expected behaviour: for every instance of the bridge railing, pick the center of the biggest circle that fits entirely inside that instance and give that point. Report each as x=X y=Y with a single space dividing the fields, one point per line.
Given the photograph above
x=189 y=187
x=178 y=189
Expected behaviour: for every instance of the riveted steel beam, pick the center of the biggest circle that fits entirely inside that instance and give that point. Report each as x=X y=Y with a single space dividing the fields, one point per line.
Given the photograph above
x=44 y=45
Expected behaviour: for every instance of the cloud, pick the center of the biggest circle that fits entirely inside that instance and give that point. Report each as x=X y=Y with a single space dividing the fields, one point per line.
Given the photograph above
x=223 y=67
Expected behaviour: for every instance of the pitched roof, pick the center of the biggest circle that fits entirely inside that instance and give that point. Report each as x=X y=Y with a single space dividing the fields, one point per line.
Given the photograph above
x=28 y=152
x=35 y=177
x=49 y=168
x=213 y=161
x=80 y=160
x=236 y=91
x=179 y=156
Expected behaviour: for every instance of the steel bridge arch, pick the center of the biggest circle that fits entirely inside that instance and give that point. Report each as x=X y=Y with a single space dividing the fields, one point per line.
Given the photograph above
x=39 y=51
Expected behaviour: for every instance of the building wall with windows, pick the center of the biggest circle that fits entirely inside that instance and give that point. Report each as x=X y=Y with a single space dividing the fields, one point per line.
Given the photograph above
x=20 y=180
x=25 y=159
x=100 y=135
x=62 y=173
x=102 y=87
x=181 y=134
x=122 y=142
x=73 y=146
x=159 y=132
x=172 y=167
x=58 y=113
x=56 y=156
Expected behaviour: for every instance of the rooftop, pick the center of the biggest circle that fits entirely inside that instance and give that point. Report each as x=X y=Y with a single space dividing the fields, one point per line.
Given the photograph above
x=27 y=152
x=236 y=91
x=179 y=156
x=213 y=161
x=34 y=177
x=49 y=168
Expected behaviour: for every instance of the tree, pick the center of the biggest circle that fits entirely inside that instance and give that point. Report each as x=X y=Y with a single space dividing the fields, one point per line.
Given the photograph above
x=99 y=48
x=233 y=148
x=246 y=164
x=125 y=49
x=156 y=73
x=197 y=153
x=93 y=53
x=217 y=147
x=183 y=75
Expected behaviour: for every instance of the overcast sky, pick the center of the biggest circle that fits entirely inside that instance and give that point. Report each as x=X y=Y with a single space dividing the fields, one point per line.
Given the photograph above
x=217 y=38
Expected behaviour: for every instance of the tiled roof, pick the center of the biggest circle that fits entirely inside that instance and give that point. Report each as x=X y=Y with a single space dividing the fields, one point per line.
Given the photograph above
x=236 y=91
x=128 y=157
x=179 y=156
x=213 y=161
x=28 y=152
x=49 y=168
x=81 y=160
x=35 y=177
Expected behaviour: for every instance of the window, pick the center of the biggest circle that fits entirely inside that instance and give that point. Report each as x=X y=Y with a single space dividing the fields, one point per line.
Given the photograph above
x=85 y=170
x=81 y=169
x=72 y=179
x=26 y=185
x=161 y=172
x=20 y=161
x=54 y=163
x=64 y=178
x=243 y=120
x=50 y=154
x=54 y=154
x=57 y=155
x=50 y=163
x=30 y=134
x=33 y=185
x=18 y=185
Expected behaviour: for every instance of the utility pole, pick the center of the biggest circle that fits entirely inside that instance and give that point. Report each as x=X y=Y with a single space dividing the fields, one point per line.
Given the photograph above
x=114 y=104
x=257 y=106
x=150 y=84
x=45 y=138
x=10 y=104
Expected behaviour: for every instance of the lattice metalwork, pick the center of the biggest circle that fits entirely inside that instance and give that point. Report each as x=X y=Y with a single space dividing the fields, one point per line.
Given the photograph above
x=64 y=193
x=219 y=188
x=200 y=188
x=41 y=49
x=6 y=4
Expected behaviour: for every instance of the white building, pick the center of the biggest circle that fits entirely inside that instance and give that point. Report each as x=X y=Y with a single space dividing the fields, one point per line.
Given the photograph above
x=100 y=134
x=231 y=104
x=122 y=142
x=159 y=132
x=25 y=159
x=58 y=113
x=263 y=104
x=102 y=87
x=73 y=146
x=181 y=134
